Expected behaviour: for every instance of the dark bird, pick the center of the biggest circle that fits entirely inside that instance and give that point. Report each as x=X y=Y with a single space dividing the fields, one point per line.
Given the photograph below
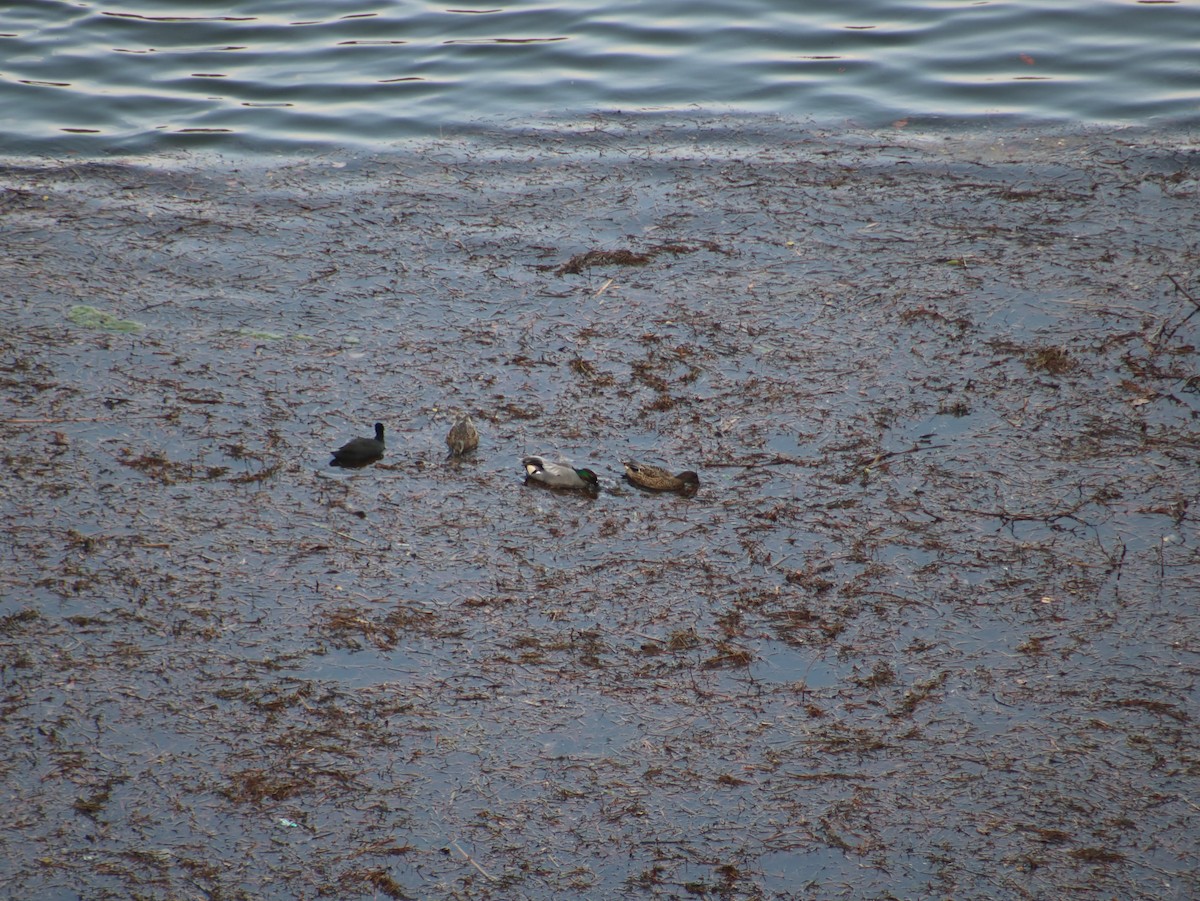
x=653 y=478
x=360 y=451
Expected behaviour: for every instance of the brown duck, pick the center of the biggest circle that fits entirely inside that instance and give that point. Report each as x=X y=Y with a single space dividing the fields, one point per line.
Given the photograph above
x=653 y=478
x=463 y=437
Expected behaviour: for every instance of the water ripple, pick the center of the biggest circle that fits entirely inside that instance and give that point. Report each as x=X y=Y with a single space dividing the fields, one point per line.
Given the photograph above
x=135 y=73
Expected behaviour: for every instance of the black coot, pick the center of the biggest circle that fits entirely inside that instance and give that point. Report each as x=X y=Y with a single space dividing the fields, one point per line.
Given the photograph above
x=360 y=451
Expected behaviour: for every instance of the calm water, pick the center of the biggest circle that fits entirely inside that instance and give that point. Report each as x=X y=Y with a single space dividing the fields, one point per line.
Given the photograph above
x=139 y=75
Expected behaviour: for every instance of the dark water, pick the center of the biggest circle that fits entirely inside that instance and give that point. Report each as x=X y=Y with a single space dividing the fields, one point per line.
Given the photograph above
x=273 y=75
x=927 y=630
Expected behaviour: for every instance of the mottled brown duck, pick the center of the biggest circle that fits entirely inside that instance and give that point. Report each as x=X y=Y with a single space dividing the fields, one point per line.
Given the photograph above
x=463 y=437
x=655 y=478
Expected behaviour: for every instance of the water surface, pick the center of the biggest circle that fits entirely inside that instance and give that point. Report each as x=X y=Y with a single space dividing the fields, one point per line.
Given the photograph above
x=137 y=76
x=928 y=628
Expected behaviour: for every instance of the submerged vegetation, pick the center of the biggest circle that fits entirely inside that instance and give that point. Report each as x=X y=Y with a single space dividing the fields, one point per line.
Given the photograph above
x=926 y=629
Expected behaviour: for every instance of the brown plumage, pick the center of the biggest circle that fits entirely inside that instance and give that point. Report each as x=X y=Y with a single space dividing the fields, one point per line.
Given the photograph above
x=654 y=478
x=463 y=437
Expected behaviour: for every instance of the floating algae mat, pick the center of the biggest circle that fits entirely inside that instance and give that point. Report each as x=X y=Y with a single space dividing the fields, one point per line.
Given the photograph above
x=259 y=334
x=927 y=629
x=90 y=317
x=264 y=335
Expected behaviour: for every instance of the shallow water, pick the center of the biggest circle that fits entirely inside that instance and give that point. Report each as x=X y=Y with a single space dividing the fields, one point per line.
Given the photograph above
x=927 y=629
x=138 y=77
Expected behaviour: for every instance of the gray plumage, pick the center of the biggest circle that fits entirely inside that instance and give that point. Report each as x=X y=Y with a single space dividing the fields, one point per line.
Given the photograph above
x=559 y=475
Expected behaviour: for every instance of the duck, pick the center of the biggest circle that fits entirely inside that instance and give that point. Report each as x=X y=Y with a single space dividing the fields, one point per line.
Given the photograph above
x=654 y=478
x=463 y=437
x=360 y=451
x=559 y=475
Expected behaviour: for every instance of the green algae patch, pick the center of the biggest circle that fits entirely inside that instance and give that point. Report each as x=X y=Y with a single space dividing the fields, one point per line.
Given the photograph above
x=259 y=334
x=262 y=335
x=90 y=317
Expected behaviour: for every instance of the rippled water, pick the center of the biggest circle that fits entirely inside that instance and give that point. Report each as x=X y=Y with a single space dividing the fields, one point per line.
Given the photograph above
x=144 y=74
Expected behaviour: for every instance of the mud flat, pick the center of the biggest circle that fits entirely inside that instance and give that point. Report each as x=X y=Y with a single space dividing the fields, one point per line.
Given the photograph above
x=927 y=629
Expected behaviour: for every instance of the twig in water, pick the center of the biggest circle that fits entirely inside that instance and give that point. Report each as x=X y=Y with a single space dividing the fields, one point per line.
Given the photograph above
x=469 y=859
x=1162 y=339
x=340 y=534
x=887 y=455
